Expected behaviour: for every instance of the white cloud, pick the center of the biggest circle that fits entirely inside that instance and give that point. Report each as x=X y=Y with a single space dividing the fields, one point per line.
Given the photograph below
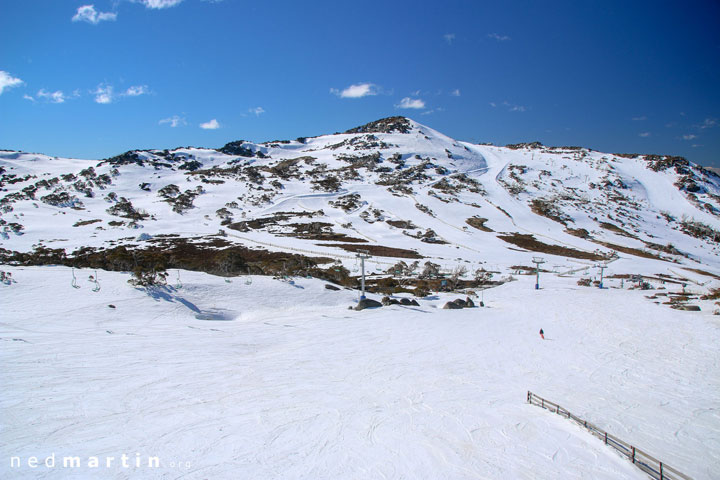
x=52 y=97
x=28 y=97
x=428 y=112
x=87 y=13
x=644 y=134
x=514 y=108
x=103 y=94
x=257 y=111
x=408 y=102
x=158 y=4
x=689 y=137
x=708 y=123
x=136 y=91
x=449 y=37
x=8 y=81
x=498 y=37
x=174 y=121
x=455 y=93
x=639 y=119
x=493 y=104
x=211 y=125
x=356 y=91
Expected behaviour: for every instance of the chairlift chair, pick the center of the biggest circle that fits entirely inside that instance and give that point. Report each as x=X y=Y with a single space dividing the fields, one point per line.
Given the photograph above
x=96 y=288
x=74 y=280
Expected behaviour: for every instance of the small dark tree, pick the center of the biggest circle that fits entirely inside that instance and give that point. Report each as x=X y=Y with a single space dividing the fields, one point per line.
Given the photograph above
x=456 y=275
x=482 y=276
x=148 y=278
x=431 y=270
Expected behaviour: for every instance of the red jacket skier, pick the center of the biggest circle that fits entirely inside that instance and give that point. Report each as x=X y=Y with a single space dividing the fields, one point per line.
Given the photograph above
x=542 y=334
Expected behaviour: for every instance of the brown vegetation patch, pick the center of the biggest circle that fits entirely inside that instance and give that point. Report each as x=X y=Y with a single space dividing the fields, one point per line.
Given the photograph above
x=614 y=228
x=80 y=223
x=325 y=236
x=376 y=250
x=385 y=125
x=404 y=224
x=549 y=209
x=211 y=254
x=629 y=250
x=702 y=272
x=504 y=211
x=529 y=242
x=579 y=232
x=479 y=223
x=260 y=223
x=524 y=269
x=669 y=248
x=714 y=294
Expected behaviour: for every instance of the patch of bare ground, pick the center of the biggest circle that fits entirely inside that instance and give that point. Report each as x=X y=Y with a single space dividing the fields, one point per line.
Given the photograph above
x=702 y=272
x=614 y=228
x=549 y=208
x=80 y=223
x=579 y=232
x=404 y=224
x=375 y=250
x=479 y=223
x=529 y=242
x=669 y=248
x=629 y=250
x=212 y=254
x=714 y=294
x=326 y=237
x=504 y=211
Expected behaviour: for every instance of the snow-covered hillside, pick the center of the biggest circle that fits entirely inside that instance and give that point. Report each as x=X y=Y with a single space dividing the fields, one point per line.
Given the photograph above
x=248 y=363
x=295 y=386
x=391 y=183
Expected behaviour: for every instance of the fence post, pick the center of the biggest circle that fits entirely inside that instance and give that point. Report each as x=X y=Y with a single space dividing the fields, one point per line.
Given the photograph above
x=621 y=446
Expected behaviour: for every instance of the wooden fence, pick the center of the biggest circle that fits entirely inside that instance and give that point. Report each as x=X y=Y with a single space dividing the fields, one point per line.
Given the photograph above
x=648 y=464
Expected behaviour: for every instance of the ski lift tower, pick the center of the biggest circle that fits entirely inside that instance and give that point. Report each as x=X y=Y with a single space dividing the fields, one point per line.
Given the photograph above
x=602 y=267
x=362 y=255
x=537 y=261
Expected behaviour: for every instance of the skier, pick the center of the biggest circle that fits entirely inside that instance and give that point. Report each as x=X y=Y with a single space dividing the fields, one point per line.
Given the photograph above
x=542 y=334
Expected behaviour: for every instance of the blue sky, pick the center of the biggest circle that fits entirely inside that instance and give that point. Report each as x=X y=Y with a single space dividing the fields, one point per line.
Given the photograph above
x=92 y=80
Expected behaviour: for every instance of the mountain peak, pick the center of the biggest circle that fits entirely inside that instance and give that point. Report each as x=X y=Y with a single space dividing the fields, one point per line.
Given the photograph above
x=397 y=124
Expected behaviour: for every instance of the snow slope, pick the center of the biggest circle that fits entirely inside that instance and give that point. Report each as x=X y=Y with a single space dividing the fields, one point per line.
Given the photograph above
x=297 y=386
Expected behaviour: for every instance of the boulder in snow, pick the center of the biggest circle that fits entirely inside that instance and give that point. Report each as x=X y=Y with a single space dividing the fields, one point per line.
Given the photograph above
x=367 y=303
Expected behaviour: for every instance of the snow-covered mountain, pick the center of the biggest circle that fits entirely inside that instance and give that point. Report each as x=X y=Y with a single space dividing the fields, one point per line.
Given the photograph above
x=393 y=187
x=260 y=376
